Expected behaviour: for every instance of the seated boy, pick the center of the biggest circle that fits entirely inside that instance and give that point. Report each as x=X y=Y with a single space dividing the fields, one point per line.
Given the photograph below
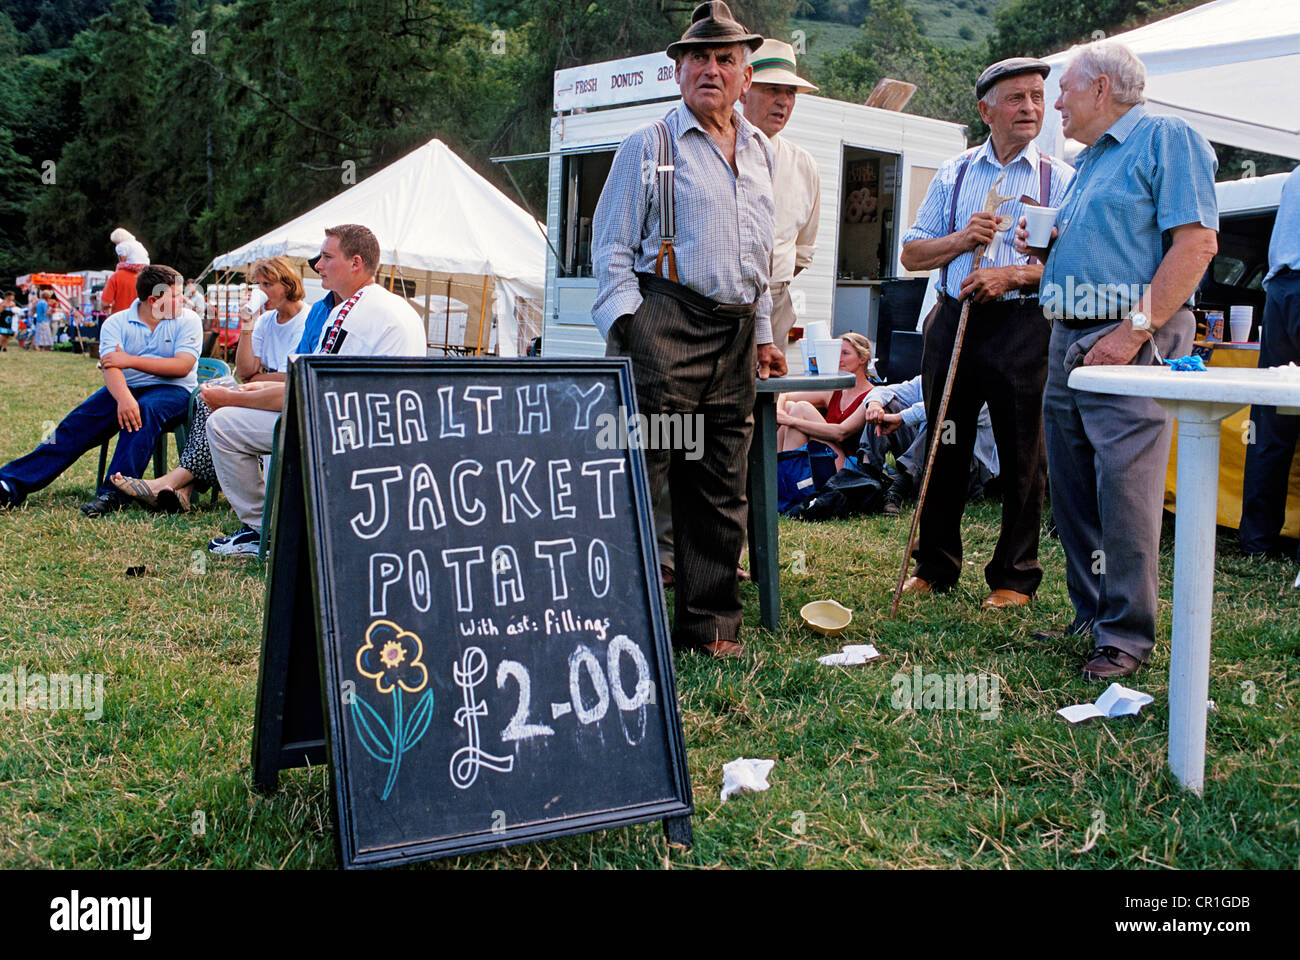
x=148 y=353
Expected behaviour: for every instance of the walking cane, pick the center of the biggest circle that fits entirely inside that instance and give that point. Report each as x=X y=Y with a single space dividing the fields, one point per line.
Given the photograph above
x=991 y=204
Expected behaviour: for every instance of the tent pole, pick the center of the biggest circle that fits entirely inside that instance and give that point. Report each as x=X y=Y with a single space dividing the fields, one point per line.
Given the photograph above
x=446 y=330
x=482 y=313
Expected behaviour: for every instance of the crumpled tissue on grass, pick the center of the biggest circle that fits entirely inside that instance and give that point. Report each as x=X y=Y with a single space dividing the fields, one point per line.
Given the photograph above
x=1117 y=701
x=745 y=774
x=852 y=655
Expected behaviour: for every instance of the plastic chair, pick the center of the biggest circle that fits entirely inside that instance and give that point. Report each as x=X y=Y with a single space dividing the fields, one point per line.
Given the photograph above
x=209 y=368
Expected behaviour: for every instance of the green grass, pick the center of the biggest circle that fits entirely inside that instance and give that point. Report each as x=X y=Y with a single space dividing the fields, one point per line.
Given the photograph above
x=856 y=784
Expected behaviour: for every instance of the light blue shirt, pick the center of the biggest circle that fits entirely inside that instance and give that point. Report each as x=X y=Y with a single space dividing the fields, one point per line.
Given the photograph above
x=1284 y=248
x=982 y=171
x=125 y=330
x=724 y=220
x=1144 y=176
x=908 y=393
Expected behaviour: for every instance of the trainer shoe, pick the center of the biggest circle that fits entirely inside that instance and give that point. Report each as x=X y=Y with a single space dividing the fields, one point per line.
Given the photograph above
x=244 y=542
x=8 y=495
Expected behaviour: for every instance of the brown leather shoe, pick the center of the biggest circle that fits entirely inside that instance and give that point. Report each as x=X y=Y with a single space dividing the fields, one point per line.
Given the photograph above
x=722 y=650
x=666 y=575
x=1110 y=663
x=917 y=585
x=1002 y=598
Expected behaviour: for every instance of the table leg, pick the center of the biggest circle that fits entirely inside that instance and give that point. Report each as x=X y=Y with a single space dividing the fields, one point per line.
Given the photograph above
x=764 y=551
x=1189 y=661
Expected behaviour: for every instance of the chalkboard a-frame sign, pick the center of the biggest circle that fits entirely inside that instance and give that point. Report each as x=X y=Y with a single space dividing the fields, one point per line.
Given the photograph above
x=463 y=610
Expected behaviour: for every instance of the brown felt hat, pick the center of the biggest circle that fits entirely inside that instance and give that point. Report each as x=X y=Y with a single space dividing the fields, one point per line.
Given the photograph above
x=713 y=25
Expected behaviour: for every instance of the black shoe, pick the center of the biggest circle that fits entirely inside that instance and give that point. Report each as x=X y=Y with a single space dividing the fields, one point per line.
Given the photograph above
x=895 y=494
x=106 y=503
x=1110 y=663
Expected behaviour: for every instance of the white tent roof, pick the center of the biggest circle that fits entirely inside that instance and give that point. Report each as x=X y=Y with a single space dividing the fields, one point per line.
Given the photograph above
x=1229 y=68
x=430 y=211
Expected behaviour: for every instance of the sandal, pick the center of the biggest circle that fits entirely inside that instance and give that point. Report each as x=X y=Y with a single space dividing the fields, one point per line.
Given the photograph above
x=136 y=489
x=172 y=501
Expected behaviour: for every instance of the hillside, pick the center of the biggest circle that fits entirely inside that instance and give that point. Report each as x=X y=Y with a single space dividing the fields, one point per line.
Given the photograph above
x=955 y=23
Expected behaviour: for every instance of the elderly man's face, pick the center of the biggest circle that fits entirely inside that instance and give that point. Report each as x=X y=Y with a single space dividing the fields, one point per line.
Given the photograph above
x=1017 y=116
x=768 y=106
x=713 y=78
x=1082 y=108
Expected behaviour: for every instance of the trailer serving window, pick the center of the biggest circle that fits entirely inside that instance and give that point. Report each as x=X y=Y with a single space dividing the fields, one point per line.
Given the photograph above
x=582 y=180
x=868 y=214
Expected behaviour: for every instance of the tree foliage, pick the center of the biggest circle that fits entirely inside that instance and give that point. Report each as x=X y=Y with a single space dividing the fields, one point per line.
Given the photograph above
x=892 y=45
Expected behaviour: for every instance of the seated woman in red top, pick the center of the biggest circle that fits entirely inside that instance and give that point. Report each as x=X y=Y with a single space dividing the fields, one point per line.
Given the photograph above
x=799 y=415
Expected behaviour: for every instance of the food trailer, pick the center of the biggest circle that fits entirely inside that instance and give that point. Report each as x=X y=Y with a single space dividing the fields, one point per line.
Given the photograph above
x=875 y=166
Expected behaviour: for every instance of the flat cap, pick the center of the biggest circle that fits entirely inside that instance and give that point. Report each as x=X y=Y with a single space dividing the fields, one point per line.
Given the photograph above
x=1009 y=68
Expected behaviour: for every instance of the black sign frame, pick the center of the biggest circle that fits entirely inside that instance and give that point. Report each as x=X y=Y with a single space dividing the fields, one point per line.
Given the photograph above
x=299 y=709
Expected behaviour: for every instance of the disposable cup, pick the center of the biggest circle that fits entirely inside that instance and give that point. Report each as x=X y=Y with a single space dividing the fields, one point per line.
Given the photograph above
x=816 y=330
x=1039 y=221
x=1240 y=318
x=828 y=357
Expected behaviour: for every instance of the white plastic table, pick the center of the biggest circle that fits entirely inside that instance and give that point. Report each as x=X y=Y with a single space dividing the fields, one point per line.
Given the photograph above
x=1199 y=401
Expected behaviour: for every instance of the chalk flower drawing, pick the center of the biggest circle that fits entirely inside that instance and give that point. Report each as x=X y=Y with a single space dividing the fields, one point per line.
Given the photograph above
x=391 y=656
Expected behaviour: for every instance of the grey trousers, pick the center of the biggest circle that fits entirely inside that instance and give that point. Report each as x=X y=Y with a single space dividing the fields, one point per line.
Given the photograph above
x=1106 y=462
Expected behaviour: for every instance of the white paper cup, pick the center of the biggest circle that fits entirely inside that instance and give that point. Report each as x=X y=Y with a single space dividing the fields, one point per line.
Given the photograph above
x=828 y=357
x=1240 y=329
x=816 y=330
x=1039 y=222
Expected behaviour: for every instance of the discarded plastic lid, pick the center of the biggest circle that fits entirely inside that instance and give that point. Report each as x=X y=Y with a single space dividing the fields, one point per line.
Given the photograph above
x=826 y=617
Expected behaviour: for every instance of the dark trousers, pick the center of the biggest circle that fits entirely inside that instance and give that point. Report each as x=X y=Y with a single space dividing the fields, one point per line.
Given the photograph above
x=1268 y=459
x=691 y=356
x=872 y=448
x=92 y=422
x=1004 y=364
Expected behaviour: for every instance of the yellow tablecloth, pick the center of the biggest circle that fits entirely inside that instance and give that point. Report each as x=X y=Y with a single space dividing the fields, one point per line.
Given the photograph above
x=1232 y=455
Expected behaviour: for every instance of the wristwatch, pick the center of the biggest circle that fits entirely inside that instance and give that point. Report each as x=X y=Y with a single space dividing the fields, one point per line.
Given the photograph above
x=1140 y=321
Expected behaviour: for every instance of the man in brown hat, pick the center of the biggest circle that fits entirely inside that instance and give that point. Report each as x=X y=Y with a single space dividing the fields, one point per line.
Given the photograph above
x=1003 y=358
x=682 y=248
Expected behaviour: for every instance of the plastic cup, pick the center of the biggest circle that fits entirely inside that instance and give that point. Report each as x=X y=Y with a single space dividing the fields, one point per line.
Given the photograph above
x=816 y=330
x=1039 y=222
x=828 y=357
x=1240 y=320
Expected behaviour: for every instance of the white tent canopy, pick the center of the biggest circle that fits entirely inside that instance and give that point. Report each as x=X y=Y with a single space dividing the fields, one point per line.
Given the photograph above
x=1229 y=68
x=442 y=228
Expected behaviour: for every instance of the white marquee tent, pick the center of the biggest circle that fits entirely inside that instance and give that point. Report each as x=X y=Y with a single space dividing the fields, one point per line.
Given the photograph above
x=452 y=243
x=1230 y=68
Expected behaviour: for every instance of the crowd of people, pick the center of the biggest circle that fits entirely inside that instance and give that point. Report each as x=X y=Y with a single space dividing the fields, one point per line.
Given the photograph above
x=149 y=352
x=694 y=266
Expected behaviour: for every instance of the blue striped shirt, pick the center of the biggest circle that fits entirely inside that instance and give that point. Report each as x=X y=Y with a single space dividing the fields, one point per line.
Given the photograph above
x=1284 y=246
x=724 y=220
x=1144 y=176
x=983 y=171
x=125 y=330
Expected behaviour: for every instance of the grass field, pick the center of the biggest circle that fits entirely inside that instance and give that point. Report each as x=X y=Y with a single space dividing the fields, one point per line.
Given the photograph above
x=857 y=782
